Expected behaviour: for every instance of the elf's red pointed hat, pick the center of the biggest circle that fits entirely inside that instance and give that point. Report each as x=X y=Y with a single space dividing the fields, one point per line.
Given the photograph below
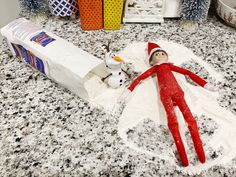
x=152 y=47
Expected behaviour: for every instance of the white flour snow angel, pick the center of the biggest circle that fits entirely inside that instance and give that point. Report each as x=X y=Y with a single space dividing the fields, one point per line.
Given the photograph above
x=172 y=95
x=145 y=103
x=116 y=76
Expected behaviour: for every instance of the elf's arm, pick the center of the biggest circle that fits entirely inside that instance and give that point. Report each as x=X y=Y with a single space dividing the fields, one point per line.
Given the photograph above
x=192 y=76
x=143 y=76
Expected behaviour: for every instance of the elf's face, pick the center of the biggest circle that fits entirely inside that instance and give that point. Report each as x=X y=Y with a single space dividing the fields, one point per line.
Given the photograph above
x=159 y=57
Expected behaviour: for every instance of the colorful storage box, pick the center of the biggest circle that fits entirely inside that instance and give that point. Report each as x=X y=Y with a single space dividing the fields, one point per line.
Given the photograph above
x=112 y=14
x=63 y=7
x=91 y=14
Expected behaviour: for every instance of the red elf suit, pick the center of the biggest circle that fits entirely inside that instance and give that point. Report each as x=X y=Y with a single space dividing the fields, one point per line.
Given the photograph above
x=172 y=95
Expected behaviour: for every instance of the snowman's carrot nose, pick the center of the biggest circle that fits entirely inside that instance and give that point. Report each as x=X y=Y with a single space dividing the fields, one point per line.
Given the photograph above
x=118 y=59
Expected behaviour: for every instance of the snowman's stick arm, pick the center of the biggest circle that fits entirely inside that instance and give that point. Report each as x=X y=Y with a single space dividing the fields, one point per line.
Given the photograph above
x=104 y=78
x=126 y=73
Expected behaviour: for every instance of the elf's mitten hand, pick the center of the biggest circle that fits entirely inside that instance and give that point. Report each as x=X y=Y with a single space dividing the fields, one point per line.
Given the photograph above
x=210 y=87
x=125 y=96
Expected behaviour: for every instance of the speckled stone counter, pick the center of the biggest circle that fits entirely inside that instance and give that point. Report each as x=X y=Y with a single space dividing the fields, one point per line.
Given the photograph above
x=45 y=130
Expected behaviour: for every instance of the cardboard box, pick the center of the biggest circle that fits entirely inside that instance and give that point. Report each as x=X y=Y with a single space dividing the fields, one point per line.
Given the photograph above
x=90 y=12
x=112 y=12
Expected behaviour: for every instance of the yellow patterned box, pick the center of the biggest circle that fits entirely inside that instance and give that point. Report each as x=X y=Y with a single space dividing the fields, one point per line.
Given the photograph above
x=112 y=10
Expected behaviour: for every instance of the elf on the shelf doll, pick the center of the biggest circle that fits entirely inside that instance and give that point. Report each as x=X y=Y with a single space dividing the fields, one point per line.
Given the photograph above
x=172 y=95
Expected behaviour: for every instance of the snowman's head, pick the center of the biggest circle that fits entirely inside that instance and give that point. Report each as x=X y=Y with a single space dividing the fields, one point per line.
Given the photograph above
x=112 y=59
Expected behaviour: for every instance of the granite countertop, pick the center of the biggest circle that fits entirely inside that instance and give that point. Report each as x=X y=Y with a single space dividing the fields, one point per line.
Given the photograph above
x=45 y=130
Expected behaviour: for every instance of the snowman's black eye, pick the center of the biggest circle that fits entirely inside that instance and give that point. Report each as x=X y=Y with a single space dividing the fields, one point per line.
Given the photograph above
x=112 y=55
x=162 y=53
x=156 y=54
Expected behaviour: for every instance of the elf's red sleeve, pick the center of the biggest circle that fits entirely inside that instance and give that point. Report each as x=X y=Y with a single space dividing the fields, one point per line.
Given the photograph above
x=143 y=76
x=193 y=76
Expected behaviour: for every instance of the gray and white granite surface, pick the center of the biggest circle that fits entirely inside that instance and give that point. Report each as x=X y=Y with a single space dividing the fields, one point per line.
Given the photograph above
x=45 y=130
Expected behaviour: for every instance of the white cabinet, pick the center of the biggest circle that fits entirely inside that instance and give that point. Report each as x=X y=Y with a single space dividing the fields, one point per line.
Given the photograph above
x=146 y=11
x=150 y=11
x=172 y=8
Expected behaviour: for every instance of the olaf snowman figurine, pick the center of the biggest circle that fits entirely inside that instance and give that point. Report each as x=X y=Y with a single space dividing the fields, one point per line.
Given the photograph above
x=116 y=76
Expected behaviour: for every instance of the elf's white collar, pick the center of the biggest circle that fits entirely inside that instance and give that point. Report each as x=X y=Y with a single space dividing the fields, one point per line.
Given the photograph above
x=161 y=63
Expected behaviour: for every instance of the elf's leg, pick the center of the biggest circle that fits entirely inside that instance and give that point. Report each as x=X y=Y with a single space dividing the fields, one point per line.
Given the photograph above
x=192 y=125
x=174 y=129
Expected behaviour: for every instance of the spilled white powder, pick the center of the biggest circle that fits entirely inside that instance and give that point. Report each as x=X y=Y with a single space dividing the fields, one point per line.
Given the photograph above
x=100 y=94
x=145 y=103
